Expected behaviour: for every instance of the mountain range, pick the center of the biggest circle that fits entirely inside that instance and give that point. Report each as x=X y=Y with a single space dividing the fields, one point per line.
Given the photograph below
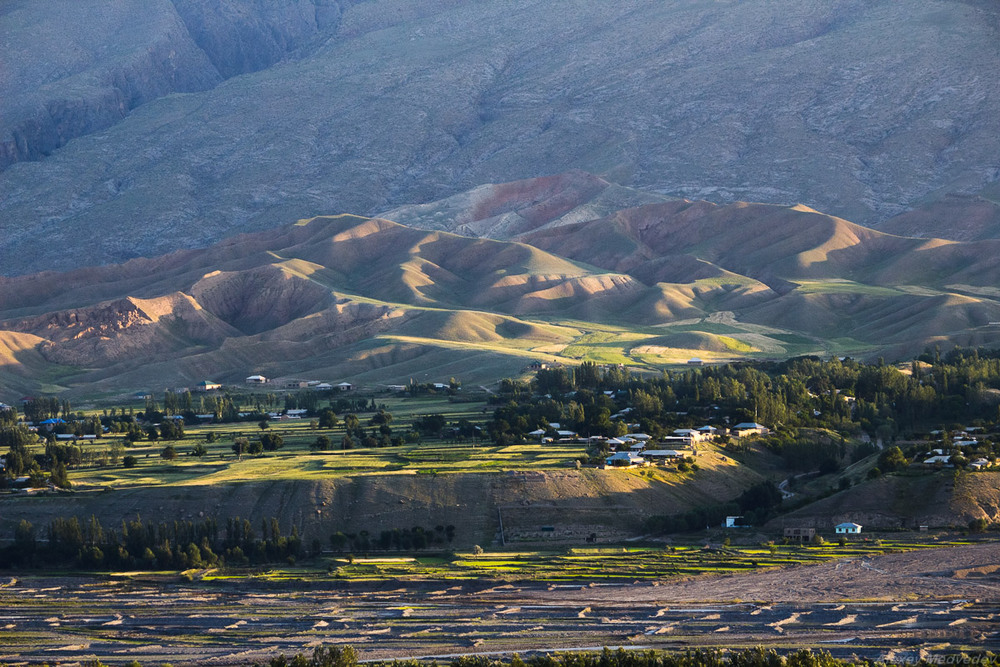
x=172 y=124
x=562 y=269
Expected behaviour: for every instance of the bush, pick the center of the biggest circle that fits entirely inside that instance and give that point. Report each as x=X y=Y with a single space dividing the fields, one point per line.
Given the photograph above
x=129 y=461
x=892 y=459
x=977 y=526
x=322 y=443
x=271 y=441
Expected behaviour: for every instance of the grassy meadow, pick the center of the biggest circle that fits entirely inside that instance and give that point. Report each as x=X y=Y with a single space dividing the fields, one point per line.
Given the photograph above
x=296 y=460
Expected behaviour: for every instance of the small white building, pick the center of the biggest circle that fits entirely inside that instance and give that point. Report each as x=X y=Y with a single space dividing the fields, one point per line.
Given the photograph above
x=256 y=379
x=847 y=528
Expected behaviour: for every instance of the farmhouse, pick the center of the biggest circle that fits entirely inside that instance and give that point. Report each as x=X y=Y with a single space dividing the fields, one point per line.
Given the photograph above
x=256 y=379
x=343 y=386
x=749 y=428
x=663 y=454
x=800 y=534
x=847 y=528
x=207 y=385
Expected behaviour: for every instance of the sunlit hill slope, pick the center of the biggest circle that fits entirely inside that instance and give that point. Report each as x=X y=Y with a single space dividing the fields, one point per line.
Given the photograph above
x=374 y=301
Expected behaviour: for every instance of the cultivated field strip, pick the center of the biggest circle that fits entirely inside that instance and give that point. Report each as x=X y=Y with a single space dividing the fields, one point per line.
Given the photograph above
x=60 y=619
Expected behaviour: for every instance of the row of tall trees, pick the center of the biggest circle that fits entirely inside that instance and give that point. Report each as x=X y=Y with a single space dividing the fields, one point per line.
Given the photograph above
x=150 y=545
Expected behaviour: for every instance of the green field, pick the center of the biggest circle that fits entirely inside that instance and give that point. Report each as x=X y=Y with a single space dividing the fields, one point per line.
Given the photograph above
x=604 y=563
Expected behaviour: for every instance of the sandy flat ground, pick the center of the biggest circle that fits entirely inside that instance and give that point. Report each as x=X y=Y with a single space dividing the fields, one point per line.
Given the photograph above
x=971 y=572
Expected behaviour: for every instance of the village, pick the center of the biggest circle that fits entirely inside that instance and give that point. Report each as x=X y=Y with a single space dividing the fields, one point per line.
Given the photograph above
x=297 y=417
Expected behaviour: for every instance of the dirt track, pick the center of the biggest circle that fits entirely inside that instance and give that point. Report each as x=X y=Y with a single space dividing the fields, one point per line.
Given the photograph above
x=946 y=599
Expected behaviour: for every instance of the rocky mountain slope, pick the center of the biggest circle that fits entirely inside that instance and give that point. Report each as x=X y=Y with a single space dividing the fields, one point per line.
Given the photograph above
x=175 y=124
x=376 y=302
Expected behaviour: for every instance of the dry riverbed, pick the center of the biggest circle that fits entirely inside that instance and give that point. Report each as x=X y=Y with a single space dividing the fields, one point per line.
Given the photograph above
x=893 y=606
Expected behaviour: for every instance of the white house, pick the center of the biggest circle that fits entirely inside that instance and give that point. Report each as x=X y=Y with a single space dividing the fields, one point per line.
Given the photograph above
x=848 y=528
x=694 y=434
x=344 y=386
x=624 y=459
x=256 y=379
